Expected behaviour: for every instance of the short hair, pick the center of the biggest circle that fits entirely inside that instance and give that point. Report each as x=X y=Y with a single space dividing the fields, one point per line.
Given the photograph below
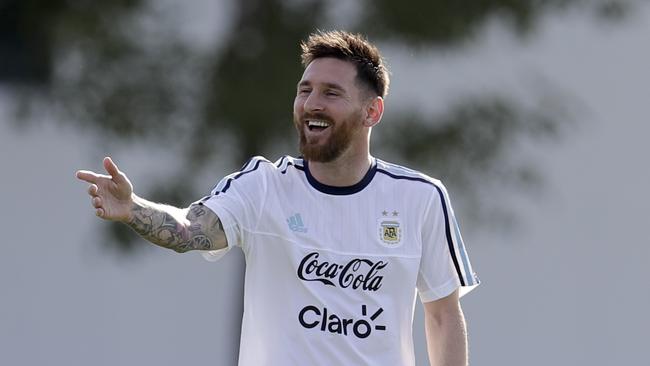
x=354 y=48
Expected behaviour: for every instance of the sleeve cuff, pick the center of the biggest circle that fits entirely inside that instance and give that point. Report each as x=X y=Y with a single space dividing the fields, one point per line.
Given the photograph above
x=440 y=291
x=446 y=290
x=229 y=227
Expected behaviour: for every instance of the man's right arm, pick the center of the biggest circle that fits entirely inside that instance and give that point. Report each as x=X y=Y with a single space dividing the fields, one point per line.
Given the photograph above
x=193 y=228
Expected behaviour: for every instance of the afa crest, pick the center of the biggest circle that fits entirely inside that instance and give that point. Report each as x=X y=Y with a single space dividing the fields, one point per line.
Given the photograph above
x=390 y=232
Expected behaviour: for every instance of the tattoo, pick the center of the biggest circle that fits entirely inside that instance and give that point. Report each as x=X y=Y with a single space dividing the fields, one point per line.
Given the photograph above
x=161 y=228
x=198 y=236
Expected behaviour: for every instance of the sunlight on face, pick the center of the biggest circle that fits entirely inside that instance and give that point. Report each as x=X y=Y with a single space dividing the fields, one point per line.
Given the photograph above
x=327 y=110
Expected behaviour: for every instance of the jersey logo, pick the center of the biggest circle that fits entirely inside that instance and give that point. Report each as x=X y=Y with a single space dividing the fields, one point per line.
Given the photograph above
x=390 y=230
x=358 y=273
x=295 y=223
x=311 y=317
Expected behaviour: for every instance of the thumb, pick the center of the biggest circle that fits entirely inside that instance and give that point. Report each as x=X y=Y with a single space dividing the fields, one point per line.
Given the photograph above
x=112 y=169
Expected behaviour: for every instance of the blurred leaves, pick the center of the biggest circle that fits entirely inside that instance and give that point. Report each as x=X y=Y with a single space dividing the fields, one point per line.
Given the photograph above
x=444 y=22
x=474 y=145
x=121 y=69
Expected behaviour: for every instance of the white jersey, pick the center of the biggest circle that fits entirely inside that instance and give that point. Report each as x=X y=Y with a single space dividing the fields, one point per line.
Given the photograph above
x=332 y=272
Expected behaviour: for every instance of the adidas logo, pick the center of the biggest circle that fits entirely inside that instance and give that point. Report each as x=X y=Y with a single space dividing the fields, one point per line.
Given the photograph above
x=295 y=223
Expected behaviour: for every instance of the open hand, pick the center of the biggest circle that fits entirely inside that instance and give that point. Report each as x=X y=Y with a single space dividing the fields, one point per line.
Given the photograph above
x=112 y=195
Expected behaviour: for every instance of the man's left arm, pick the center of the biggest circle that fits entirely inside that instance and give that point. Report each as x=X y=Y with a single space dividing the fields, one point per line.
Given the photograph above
x=446 y=331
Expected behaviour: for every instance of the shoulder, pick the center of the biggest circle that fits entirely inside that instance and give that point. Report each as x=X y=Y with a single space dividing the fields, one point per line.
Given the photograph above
x=255 y=166
x=418 y=186
x=414 y=181
x=256 y=172
x=248 y=174
x=403 y=174
x=259 y=165
x=288 y=163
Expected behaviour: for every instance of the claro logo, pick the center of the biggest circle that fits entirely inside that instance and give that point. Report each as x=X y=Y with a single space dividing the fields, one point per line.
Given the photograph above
x=312 y=317
x=357 y=273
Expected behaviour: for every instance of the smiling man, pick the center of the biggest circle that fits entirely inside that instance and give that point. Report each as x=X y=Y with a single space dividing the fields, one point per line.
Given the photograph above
x=337 y=242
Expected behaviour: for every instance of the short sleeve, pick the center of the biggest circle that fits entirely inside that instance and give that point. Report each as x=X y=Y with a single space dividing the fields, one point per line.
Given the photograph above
x=237 y=200
x=444 y=265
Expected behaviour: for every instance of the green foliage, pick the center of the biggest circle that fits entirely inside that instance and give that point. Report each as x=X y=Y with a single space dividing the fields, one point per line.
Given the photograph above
x=117 y=69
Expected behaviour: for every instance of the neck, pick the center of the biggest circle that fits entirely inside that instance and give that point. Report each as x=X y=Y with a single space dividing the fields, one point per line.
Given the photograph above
x=346 y=170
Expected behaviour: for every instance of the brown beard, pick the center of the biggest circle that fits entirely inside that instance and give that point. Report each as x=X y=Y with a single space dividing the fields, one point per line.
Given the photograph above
x=339 y=140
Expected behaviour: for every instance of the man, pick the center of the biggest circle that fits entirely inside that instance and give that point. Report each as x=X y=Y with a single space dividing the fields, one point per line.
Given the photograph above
x=336 y=242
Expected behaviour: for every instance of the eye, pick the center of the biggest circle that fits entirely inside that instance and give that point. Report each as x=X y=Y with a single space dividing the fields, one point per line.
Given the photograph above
x=331 y=93
x=303 y=91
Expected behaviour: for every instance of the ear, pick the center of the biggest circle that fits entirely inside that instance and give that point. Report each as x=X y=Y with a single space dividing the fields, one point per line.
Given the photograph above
x=374 y=111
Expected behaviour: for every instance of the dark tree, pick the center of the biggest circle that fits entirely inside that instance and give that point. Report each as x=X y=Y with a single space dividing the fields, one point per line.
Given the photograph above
x=117 y=68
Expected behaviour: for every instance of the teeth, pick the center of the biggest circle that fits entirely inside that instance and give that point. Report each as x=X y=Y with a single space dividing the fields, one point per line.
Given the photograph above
x=312 y=123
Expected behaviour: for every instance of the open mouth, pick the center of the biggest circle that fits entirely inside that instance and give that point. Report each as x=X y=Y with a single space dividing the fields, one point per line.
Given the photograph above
x=317 y=125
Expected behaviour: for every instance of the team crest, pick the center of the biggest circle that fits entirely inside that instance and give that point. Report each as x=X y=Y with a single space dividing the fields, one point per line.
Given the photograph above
x=390 y=232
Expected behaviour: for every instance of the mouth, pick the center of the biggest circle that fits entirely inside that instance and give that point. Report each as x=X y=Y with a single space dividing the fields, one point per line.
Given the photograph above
x=317 y=125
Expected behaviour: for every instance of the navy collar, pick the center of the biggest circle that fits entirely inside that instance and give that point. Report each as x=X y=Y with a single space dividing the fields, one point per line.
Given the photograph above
x=340 y=191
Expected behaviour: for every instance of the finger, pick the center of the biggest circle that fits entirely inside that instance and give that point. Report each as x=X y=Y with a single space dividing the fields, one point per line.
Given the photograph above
x=93 y=190
x=112 y=169
x=97 y=202
x=99 y=212
x=87 y=175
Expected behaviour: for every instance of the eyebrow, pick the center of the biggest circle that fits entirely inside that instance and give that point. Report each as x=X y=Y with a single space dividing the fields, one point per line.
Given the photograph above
x=328 y=85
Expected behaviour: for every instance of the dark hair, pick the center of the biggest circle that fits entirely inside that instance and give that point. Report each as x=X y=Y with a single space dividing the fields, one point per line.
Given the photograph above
x=355 y=48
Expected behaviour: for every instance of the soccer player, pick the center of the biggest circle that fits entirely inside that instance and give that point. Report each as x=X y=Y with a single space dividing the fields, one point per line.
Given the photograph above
x=337 y=242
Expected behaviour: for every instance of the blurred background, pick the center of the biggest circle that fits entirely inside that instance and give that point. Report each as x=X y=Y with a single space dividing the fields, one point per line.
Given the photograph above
x=534 y=114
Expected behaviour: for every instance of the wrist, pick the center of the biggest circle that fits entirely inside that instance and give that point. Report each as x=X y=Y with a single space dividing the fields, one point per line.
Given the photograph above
x=134 y=204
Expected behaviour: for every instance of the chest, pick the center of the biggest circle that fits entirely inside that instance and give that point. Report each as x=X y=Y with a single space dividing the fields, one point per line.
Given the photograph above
x=375 y=221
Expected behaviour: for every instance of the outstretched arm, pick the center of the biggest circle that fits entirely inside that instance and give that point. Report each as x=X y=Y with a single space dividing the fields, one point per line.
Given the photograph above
x=193 y=228
x=446 y=332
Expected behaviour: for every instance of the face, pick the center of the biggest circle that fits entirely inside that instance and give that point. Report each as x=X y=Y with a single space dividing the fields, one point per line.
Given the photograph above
x=328 y=110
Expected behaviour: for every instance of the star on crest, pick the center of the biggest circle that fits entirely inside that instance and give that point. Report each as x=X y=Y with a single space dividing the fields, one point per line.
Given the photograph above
x=395 y=213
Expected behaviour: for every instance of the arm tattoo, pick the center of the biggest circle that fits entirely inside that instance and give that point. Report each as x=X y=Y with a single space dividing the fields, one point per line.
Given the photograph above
x=160 y=227
x=201 y=227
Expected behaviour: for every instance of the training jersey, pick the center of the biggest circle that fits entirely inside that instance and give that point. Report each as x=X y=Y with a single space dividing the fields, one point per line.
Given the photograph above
x=332 y=272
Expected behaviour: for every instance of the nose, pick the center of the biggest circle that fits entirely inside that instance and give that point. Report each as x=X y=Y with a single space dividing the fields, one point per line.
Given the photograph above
x=313 y=103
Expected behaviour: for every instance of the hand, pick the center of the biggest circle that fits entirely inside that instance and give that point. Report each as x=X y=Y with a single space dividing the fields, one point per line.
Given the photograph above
x=112 y=195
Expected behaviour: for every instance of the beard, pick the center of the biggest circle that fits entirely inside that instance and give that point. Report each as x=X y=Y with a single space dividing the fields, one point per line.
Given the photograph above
x=339 y=140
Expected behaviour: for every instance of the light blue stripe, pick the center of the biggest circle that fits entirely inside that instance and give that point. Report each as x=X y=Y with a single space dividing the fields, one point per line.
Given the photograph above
x=410 y=172
x=298 y=162
x=288 y=161
x=469 y=276
x=282 y=162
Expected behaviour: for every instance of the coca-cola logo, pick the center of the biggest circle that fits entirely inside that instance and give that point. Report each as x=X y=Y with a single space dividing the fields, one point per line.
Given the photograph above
x=357 y=273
